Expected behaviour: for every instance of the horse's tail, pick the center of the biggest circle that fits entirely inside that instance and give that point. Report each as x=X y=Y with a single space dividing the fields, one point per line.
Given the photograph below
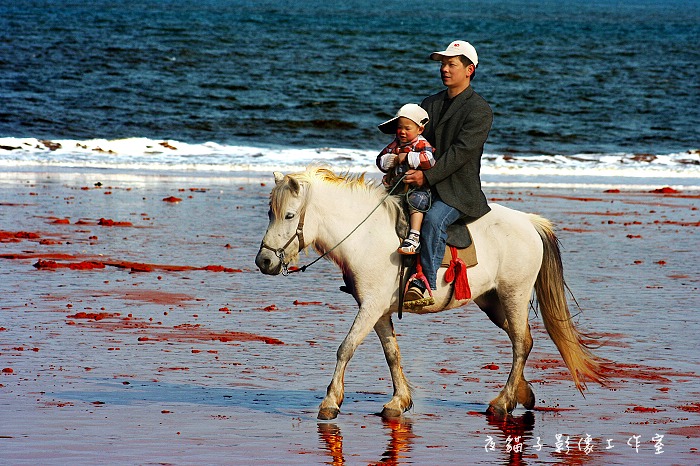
x=551 y=297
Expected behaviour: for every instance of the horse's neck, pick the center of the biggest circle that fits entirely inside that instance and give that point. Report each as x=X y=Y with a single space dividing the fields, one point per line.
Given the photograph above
x=337 y=215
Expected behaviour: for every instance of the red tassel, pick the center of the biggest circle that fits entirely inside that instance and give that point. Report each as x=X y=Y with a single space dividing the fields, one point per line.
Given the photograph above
x=457 y=273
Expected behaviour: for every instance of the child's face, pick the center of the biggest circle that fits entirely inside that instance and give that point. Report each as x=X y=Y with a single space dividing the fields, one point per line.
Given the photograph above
x=407 y=130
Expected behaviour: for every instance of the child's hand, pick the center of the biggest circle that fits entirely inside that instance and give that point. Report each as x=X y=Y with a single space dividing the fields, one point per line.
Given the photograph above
x=390 y=161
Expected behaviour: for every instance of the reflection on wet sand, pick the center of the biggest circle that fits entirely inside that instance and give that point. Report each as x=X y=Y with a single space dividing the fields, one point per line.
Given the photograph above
x=400 y=442
x=332 y=442
x=514 y=442
x=514 y=437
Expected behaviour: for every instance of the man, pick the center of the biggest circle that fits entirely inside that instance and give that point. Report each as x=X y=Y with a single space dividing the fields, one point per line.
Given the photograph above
x=460 y=121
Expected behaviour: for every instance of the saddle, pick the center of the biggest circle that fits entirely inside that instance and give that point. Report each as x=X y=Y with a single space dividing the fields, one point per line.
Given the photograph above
x=459 y=256
x=458 y=236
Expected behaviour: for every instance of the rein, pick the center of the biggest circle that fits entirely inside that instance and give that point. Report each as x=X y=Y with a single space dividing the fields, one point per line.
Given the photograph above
x=300 y=235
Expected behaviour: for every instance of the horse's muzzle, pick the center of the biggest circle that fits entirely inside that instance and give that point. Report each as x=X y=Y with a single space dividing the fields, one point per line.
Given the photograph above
x=268 y=262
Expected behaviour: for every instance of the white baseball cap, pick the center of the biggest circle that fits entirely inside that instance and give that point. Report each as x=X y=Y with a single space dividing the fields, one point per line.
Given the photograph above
x=456 y=48
x=413 y=112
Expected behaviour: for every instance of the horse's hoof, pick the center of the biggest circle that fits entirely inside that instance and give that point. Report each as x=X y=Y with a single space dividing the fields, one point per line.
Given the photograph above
x=390 y=413
x=494 y=410
x=526 y=396
x=326 y=414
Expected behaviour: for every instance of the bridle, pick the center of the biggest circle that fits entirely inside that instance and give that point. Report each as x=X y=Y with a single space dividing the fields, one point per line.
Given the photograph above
x=279 y=252
x=299 y=234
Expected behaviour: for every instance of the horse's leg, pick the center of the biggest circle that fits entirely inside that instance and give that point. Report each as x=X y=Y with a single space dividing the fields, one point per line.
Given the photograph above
x=401 y=401
x=511 y=315
x=491 y=305
x=364 y=321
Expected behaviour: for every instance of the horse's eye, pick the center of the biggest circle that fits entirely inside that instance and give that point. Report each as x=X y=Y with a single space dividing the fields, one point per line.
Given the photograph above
x=289 y=216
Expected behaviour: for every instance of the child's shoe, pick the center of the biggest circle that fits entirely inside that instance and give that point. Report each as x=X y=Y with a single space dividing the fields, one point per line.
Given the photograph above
x=411 y=245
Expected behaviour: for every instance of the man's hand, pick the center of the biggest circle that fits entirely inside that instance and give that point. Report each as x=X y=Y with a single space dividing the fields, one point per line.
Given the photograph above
x=415 y=178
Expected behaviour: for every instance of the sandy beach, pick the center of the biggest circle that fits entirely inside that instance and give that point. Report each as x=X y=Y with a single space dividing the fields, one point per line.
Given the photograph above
x=136 y=329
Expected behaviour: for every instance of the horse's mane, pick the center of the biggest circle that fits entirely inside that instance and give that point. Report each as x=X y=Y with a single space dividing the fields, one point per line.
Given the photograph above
x=372 y=188
x=345 y=179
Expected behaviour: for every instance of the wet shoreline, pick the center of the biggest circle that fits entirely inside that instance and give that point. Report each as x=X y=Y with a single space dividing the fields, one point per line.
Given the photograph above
x=182 y=352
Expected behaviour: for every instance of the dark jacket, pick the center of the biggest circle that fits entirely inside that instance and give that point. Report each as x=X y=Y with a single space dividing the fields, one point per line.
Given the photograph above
x=458 y=139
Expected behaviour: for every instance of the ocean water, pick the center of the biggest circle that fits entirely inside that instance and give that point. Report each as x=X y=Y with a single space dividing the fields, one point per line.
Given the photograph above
x=603 y=87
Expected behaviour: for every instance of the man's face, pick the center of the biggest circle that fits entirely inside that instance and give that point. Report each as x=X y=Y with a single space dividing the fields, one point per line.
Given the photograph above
x=454 y=73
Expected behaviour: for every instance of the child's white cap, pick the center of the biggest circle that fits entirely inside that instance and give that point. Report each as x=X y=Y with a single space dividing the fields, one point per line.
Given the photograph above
x=456 y=48
x=413 y=112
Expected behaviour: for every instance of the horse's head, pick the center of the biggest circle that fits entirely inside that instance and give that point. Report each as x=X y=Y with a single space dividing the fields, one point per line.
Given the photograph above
x=284 y=238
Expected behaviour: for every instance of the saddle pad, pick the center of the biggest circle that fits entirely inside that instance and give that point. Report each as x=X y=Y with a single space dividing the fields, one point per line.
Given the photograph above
x=468 y=255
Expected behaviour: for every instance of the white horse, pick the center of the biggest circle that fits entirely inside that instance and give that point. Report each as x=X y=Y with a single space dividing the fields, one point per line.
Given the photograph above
x=516 y=252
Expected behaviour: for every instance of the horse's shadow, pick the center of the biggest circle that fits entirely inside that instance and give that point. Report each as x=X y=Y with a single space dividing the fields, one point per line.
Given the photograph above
x=270 y=401
x=265 y=400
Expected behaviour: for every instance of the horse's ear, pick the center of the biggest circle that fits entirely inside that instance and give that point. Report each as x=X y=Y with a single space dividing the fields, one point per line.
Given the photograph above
x=294 y=185
x=278 y=177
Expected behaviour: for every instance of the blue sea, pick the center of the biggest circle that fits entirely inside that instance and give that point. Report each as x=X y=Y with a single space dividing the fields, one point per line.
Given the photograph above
x=598 y=88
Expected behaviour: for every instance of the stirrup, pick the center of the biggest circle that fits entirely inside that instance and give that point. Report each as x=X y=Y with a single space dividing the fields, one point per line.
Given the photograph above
x=415 y=295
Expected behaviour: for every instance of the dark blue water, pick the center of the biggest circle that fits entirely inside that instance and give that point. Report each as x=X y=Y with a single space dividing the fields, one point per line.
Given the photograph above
x=563 y=76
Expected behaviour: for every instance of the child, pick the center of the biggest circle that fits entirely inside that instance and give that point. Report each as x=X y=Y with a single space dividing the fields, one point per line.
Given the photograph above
x=408 y=150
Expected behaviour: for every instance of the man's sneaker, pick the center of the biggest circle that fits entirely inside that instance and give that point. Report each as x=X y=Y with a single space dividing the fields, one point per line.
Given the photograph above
x=411 y=245
x=417 y=295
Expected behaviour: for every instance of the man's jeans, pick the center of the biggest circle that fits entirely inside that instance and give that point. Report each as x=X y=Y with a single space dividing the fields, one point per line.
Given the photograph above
x=434 y=237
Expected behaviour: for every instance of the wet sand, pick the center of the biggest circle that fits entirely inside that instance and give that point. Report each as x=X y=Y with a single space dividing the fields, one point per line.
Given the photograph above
x=135 y=329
